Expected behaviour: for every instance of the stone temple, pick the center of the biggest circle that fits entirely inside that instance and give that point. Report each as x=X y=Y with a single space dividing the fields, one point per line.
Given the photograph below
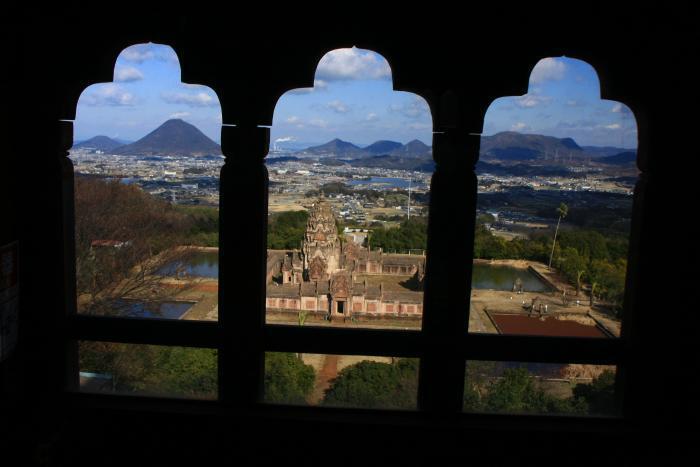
x=335 y=277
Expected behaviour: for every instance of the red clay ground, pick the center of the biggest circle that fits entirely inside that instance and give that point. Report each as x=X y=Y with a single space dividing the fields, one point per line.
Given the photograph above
x=548 y=326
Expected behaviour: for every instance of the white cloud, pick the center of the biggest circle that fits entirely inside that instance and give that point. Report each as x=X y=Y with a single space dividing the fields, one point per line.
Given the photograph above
x=285 y=139
x=127 y=73
x=338 y=106
x=416 y=108
x=109 y=95
x=300 y=91
x=179 y=115
x=293 y=119
x=529 y=101
x=578 y=125
x=137 y=53
x=167 y=54
x=520 y=126
x=140 y=53
x=319 y=85
x=352 y=64
x=420 y=126
x=200 y=99
x=613 y=126
x=548 y=69
x=617 y=108
x=318 y=123
x=372 y=117
x=194 y=86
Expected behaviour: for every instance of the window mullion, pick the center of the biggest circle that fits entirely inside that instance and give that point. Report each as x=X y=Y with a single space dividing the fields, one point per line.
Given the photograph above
x=448 y=271
x=242 y=252
x=69 y=349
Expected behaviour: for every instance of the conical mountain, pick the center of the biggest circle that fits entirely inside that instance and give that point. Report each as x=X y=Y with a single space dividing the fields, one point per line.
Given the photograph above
x=383 y=147
x=174 y=137
x=415 y=148
x=336 y=147
x=98 y=143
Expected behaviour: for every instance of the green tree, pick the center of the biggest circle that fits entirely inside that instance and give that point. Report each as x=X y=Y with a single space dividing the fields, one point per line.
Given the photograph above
x=203 y=225
x=411 y=234
x=185 y=370
x=288 y=380
x=573 y=266
x=285 y=230
x=609 y=277
x=515 y=392
x=485 y=218
x=153 y=369
x=375 y=385
x=476 y=381
x=599 y=396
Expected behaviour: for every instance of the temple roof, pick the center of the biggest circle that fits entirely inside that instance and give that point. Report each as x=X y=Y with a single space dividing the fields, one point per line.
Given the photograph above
x=403 y=297
x=283 y=291
x=291 y=261
x=403 y=260
x=274 y=259
x=323 y=287
x=308 y=289
x=373 y=292
x=374 y=255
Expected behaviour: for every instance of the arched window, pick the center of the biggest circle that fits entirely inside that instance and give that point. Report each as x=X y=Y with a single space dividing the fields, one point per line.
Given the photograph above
x=350 y=164
x=357 y=313
x=146 y=190
x=556 y=175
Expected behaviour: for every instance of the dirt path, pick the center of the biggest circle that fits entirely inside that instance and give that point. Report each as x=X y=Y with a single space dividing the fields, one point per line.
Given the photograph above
x=324 y=378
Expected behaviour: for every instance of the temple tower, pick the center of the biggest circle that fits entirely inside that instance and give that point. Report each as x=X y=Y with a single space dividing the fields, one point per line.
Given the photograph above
x=321 y=248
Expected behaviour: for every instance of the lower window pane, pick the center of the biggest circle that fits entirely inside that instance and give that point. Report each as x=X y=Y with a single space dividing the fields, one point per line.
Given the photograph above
x=153 y=370
x=539 y=388
x=518 y=297
x=341 y=380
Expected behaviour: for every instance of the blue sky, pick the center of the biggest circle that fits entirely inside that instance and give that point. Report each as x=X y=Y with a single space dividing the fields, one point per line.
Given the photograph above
x=145 y=92
x=352 y=99
x=563 y=100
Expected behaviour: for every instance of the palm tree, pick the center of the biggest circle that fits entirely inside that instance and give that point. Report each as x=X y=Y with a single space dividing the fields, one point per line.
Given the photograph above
x=594 y=284
x=562 y=210
x=579 y=275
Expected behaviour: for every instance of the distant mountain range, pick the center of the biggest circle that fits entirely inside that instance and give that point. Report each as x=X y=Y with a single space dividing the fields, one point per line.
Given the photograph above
x=512 y=146
x=623 y=158
x=177 y=137
x=603 y=151
x=342 y=149
x=507 y=147
x=98 y=143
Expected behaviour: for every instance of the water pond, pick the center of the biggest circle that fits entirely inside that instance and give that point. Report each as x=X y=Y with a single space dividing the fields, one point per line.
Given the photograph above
x=487 y=276
x=199 y=264
x=158 y=310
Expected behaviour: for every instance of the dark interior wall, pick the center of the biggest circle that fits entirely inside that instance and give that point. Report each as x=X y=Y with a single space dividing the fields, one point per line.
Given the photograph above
x=459 y=62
